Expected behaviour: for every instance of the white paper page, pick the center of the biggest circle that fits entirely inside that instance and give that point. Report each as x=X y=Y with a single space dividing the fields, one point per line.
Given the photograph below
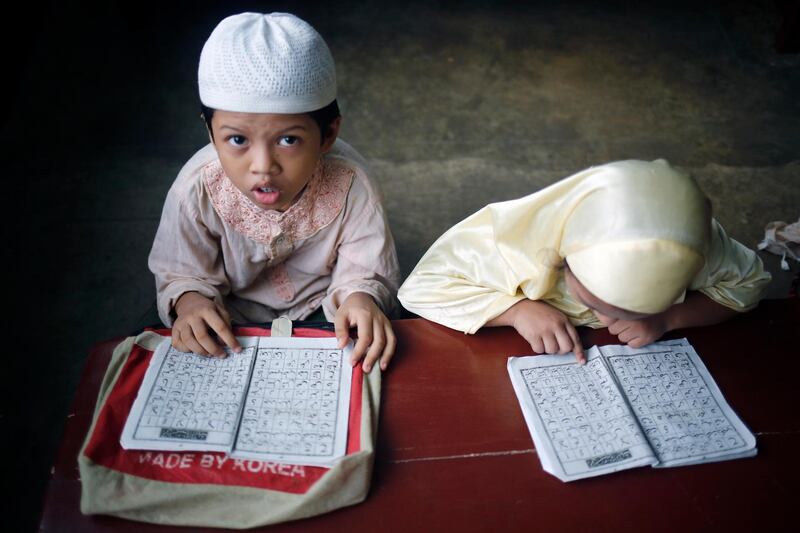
x=580 y=424
x=679 y=406
x=188 y=401
x=297 y=407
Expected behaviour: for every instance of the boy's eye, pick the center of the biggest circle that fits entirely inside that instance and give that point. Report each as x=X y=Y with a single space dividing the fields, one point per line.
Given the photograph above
x=237 y=140
x=288 y=140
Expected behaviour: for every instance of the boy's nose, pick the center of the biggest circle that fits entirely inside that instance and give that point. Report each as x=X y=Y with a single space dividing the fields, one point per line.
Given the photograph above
x=264 y=162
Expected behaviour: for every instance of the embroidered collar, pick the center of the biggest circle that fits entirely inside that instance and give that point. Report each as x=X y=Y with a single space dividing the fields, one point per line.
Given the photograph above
x=321 y=202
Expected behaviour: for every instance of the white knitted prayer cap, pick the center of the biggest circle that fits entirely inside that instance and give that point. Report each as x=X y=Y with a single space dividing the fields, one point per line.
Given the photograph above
x=266 y=63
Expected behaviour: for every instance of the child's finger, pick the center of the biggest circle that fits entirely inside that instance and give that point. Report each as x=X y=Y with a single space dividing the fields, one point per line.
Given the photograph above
x=186 y=340
x=375 y=347
x=176 y=341
x=223 y=330
x=537 y=344
x=192 y=345
x=618 y=327
x=205 y=340
x=363 y=342
x=391 y=344
x=577 y=347
x=550 y=343
x=565 y=342
x=626 y=335
x=342 y=329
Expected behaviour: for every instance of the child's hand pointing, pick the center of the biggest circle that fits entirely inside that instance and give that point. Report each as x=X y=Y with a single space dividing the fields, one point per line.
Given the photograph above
x=196 y=316
x=546 y=328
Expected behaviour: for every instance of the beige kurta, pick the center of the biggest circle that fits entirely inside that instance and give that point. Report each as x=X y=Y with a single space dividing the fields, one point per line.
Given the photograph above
x=637 y=234
x=259 y=264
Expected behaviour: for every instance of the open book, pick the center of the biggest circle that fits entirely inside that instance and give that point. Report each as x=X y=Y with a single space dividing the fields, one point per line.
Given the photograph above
x=282 y=399
x=626 y=407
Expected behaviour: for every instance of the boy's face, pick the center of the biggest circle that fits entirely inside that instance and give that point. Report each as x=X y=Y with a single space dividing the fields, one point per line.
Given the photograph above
x=605 y=312
x=269 y=157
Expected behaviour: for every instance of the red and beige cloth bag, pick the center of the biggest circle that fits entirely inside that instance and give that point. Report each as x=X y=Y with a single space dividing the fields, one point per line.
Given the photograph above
x=209 y=488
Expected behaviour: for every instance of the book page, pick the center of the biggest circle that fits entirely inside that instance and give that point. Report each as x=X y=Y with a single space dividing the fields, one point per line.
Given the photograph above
x=282 y=399
x=679 y=406
x=580 y=424
x=188 y=401
x=297 y=406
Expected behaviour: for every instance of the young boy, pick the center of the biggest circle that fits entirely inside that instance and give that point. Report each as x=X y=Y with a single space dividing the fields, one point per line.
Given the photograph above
x=276 y=216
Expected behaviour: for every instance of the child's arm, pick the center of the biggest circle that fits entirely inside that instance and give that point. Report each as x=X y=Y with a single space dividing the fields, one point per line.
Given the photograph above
x=364 y=277
x=696 y=310
x=189 y=273
x=464 y=280
x=546 y=328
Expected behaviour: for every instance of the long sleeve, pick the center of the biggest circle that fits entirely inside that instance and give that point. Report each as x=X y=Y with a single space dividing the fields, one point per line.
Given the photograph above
x=366 y=260
x=733 y=274
x=464 y=280
x=185 y=257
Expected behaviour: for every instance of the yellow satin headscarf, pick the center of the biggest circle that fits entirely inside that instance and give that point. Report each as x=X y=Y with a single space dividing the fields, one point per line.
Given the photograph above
x=634 y=233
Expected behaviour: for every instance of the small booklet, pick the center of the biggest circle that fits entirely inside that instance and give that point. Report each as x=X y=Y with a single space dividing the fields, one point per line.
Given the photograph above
x=282 y=399
x=626 y=407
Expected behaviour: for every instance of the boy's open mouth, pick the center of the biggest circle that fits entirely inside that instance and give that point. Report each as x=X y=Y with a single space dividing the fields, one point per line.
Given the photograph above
x=266 y=195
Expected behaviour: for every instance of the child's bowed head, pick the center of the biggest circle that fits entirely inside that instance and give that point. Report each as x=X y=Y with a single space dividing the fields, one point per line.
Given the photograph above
x=637 y=234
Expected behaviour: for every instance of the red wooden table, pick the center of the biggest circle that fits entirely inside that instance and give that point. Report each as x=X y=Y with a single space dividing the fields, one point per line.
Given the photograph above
x=454 y=452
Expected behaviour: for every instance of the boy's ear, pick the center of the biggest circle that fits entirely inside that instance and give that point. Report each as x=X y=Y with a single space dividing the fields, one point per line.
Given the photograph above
x=208 y=130
x=332 y=134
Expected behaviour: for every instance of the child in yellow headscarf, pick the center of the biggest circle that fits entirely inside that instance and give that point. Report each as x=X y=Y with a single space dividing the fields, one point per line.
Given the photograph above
x=629 y=245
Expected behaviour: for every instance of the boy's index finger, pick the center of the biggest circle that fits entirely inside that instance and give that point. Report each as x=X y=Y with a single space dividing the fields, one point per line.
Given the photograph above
x=225 y=333
x=341 y=330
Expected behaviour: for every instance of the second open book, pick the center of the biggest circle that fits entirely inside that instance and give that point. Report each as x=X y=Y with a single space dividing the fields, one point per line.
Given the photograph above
x=626 y=407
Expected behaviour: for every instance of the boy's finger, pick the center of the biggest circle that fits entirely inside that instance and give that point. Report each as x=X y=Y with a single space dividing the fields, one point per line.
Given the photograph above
x=388 y=350
x=188 y=341
x=205 y=340
x=193 y=346
x=176 y=341
x=224 y=331
x=342 y=329
x=363 y=342
x=375 y=347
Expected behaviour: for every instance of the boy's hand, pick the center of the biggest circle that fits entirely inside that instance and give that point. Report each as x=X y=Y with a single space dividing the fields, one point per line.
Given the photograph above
x=196 y=314
x=375 y=335
x=636 y=333
x=546 y=328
